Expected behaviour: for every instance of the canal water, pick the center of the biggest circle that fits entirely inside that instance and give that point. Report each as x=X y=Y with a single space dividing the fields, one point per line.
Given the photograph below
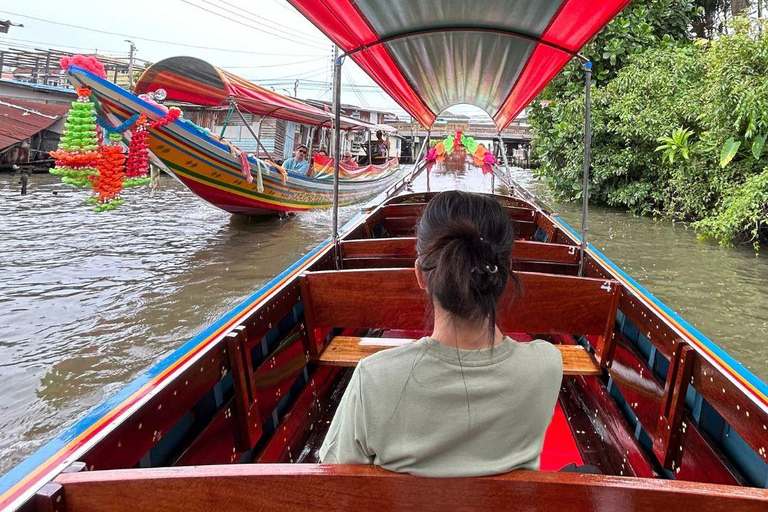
x=89 y=301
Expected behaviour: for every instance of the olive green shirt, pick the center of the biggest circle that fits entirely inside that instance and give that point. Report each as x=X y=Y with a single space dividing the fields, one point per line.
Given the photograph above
x=432 y=410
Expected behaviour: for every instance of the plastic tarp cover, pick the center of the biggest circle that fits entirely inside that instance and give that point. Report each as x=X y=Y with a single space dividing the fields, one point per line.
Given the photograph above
x=429 y=56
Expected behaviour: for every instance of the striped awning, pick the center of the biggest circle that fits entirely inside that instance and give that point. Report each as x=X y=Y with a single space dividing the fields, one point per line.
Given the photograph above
x=195 y=81
x=430 y=55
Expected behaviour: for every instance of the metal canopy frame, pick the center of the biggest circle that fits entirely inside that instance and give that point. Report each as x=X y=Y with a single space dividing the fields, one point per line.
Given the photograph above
x=460 y=28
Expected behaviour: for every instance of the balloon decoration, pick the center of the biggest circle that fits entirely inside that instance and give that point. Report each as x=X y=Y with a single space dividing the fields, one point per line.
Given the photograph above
x=109 y=183
x=451 y=143
x=77 y=157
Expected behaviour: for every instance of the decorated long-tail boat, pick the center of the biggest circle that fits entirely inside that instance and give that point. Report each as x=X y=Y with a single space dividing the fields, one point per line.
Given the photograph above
x=211 y=167
x=233 y=419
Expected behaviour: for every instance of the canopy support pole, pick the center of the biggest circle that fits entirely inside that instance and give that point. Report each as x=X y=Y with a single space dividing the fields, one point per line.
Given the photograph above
x=311 y=146
x=249 y=127
x=226 y=120
x=587 y=162
x=337 y=62
x=418 y=159
x=503 y=151
x=370 y=153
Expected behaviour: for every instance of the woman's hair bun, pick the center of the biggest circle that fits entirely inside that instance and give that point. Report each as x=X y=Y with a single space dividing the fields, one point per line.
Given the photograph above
x=464 y=242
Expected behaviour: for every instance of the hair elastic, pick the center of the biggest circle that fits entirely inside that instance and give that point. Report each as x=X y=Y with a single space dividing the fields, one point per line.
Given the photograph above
x=488 y=269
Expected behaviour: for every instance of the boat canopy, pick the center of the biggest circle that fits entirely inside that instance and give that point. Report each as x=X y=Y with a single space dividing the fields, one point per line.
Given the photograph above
x=429 y=56
x=196 y=81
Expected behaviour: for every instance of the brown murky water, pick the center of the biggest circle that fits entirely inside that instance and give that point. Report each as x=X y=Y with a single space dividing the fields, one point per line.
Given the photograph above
x=89 y=301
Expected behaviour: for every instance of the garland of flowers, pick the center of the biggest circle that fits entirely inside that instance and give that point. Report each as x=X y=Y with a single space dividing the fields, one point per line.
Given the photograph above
x=109 y=183
x=479 y=152
x=77 y=158
x=137 y=166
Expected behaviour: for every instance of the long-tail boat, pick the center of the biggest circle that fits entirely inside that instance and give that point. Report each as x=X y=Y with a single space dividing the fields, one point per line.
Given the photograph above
x=671 y=421
x=210 y=167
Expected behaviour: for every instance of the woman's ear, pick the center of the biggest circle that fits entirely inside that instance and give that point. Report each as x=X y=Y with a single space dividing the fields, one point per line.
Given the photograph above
x=420 y=277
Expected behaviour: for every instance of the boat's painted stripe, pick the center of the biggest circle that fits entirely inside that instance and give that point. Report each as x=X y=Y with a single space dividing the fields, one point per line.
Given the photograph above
x=748 y=381
x=21 y=482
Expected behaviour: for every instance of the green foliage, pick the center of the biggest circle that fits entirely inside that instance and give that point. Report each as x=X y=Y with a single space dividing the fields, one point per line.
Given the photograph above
x=676 y=145
x=678 y=131
x=728 y=151
x=742 y=216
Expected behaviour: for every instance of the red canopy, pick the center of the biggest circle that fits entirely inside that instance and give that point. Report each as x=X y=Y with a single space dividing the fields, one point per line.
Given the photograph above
x=195 y=81
x=431 y=55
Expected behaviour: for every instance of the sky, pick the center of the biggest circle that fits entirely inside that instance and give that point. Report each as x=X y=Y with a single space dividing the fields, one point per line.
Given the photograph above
x=266 y=41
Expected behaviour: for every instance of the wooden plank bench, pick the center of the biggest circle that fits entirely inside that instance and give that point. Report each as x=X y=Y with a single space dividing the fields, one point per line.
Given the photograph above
x=349 y=350
x=401 y=252
x=392 y=299
x=406 y=226
x=236 y=487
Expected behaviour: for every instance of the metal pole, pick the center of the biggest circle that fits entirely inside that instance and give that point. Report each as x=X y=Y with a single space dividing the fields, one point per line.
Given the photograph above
x=503 y=149
x=130 y=64
x=336 y=149
x=370 y=154
x=250 y=128
x=311 y=142
x=418 y=158
x=587 y=142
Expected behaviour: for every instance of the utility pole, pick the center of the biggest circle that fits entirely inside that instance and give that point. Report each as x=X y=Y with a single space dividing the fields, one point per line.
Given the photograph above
x=130 y=64
x=296 y=88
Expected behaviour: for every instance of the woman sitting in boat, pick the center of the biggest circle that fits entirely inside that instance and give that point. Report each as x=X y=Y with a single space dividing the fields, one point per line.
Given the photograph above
x=298 y=163
x=349 y=161
x=467 y=400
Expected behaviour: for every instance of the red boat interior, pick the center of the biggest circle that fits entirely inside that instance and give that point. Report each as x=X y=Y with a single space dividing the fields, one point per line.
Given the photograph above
x=264 y=395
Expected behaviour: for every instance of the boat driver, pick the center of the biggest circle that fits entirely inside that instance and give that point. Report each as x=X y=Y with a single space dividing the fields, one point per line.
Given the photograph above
x=298 y=163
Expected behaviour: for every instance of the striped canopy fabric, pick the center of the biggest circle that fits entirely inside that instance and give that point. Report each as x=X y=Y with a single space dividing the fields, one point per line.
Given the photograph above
x=195 y=81
x=430 y=55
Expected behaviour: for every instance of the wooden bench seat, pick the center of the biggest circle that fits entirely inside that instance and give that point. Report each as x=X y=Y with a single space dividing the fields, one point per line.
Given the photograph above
x=416 y=209
x=400 y=252
x=406 y=226
x=392 y=299
x=349 y=350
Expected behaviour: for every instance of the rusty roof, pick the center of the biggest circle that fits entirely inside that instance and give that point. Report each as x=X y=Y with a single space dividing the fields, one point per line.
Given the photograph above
x=20 y=119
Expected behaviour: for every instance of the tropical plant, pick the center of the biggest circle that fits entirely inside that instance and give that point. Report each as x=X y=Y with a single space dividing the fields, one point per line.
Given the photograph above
x=676 y=145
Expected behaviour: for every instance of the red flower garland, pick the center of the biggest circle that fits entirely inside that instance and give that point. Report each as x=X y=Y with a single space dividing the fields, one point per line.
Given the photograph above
x=109 y=183
x=137 y=165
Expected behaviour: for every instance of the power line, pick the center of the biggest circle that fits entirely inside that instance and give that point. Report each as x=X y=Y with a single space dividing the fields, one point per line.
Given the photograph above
x=289 y=9
x=136 y=37
x=260 y=29
x=272 y=65
x=292 y=76
x=241 y=10
x=19 y=42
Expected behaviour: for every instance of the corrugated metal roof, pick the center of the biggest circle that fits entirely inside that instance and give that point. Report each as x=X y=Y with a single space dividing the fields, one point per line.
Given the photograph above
x=20 y=119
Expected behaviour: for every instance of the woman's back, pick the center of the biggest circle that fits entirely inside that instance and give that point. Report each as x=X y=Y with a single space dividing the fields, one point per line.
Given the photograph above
x=432 y=410
x=466 y=401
